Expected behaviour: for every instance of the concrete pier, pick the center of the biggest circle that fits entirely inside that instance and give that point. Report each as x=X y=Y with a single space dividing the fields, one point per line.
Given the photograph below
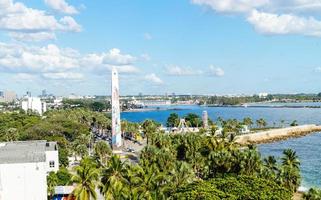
x=277 y=134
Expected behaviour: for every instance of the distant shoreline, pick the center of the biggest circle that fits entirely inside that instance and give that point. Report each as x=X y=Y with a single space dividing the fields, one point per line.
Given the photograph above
x=262 y=106
x=151 y=109
x=168 y=107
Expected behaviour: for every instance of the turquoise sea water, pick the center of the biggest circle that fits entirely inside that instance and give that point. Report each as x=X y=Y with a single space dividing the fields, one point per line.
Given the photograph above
x=308 y=148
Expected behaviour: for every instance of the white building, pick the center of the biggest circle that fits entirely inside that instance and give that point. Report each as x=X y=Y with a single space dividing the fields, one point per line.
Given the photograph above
x=24 y=167
x=245 y=129
x=263 y=95
x=34 y=104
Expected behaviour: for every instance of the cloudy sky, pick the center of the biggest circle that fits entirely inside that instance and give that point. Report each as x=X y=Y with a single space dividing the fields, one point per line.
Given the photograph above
x=182 y=46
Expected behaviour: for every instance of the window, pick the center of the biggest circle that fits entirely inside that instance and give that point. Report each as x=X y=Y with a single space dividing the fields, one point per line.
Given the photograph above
x=51 y=164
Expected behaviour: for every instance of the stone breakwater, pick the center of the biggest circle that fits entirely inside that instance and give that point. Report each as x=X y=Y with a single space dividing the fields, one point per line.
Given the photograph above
x=277 y=134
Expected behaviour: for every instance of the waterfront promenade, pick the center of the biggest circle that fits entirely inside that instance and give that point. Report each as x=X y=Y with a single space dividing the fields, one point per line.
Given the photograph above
x=277 y=134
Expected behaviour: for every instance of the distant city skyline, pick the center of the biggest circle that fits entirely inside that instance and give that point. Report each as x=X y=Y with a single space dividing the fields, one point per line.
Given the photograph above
x=186 y=47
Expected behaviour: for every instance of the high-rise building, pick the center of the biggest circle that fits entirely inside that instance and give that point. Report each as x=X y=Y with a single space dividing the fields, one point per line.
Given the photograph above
x=116 y=128
x=8 y=96
x=43 y=93
x=28 y=94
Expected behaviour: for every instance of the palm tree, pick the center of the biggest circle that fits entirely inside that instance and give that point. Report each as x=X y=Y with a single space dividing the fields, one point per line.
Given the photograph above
x=52 y=182
x=282 y=122
x=250 y=162
x=247 y=121
x=102 y=151
x=270 y=168
x=154 y=183
x=172 y=120
x=290 y=178
x=270 y=163
x=134 y=177
x=294 y=123
x=149 y=127
x=113 y=179
x=290 y=172
x=261 y=123
x=85 y=179
x=181 y=174
x=290 y=159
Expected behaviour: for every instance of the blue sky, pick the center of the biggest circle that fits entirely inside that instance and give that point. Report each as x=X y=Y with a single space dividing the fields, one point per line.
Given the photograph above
x=186 y=47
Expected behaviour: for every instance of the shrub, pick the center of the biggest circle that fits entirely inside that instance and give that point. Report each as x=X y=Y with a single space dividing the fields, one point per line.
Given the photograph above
x=312 y=194
x=203 y=190
x=234 y=188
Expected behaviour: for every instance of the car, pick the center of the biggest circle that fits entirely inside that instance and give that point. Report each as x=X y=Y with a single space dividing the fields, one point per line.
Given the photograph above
x=131 y=150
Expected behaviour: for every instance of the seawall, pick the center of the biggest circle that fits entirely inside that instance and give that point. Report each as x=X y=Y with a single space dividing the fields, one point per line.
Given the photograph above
x=277 y=134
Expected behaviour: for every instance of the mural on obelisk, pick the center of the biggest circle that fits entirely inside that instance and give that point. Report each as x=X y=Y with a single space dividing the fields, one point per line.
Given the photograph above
x=116 y=129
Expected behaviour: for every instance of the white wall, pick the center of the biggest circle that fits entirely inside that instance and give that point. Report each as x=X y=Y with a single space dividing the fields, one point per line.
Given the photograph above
x=23 y=181
x=52 y=156
x=34 y=104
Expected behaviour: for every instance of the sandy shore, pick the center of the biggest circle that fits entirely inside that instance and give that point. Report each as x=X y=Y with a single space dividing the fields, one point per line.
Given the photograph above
x=277 y=134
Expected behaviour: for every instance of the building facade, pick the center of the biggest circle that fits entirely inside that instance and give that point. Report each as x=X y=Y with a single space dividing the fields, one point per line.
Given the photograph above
x=8 y=96
x=24 y=167
x=34 y=104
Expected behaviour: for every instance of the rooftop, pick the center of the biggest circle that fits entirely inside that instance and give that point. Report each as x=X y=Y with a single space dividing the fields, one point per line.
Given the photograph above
x=25 y=151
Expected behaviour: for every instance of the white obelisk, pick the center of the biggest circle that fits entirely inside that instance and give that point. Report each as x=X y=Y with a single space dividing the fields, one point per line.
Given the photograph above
x=116 y=129
x=205 y=119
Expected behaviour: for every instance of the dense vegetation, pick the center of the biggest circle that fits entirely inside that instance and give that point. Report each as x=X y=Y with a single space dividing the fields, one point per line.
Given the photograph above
x=70 y=128
x=188 y=166
x=233 y=188
x=226 y=100
x=91 y=104
x=220 y=100
x=312 y=194
x=171 y=166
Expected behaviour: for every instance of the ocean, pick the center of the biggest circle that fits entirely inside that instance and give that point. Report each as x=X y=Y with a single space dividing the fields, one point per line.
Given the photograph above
x=308 y=148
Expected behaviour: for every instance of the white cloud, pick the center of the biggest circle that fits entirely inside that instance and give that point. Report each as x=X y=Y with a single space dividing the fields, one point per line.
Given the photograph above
x=69 y=24
x=100 y=62
x=154 y=79
x=18 y=58
x=127 y=69
x=61 y=6
x=216 y=71
x=246 y=6
x=231 y=6
x=268 y=23
x=32 y=37
x=24 y=77
x=114 y=57
x=148 y=36
x=273 y=16
x=295 y=6
x=64 y=76
x=174 y=70
x=52 y=62
x=16 y=17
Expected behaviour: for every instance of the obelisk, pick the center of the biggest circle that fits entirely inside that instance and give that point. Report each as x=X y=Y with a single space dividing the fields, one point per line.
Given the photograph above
x=205 y=119
x=115 y=109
